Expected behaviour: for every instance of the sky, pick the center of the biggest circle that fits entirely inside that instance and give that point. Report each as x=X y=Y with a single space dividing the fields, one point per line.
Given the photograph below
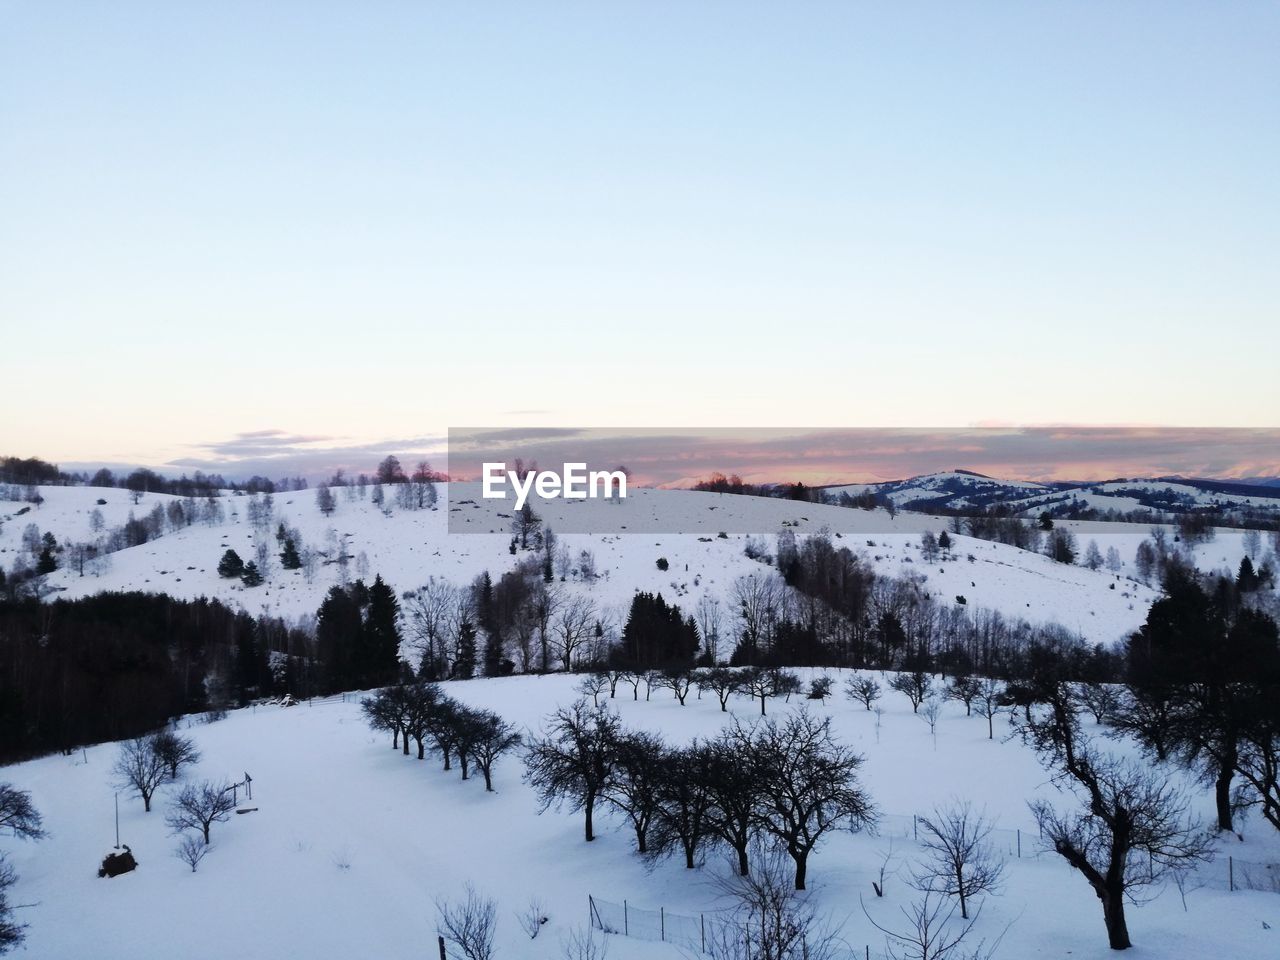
x=236 y=233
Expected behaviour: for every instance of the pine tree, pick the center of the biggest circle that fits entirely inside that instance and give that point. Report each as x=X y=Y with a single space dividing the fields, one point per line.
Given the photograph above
x=381 y=635
x=289 y=558
x=464 y=668
x=230 y=565
x=251 y=577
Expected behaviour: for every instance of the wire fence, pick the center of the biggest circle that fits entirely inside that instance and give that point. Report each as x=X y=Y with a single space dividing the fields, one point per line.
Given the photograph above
x=698 y=932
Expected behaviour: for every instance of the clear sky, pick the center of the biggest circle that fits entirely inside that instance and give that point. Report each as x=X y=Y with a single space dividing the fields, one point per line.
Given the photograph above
x=357 y=224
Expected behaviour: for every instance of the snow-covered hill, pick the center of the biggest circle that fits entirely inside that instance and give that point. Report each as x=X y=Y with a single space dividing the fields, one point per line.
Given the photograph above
x=408 y=547
x=350 y=842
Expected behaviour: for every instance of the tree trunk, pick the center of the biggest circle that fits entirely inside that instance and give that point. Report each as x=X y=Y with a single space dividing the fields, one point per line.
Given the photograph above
x=642 y=840
x=588 y=808
x=744 y=868
x=404 y=742
x=1113 y=914
x=488 y=780
x=802 y=867
x=688 y=856
x=1222 y=796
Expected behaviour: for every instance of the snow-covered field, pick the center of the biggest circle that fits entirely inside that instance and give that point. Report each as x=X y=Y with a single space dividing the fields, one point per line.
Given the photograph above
x=409 y=547
x=351 y=842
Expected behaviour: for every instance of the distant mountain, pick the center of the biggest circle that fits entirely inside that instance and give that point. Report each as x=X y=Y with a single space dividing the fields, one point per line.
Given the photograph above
x=966 y=491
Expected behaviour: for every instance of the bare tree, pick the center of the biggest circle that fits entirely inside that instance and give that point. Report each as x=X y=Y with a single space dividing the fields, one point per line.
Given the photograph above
x=962 y=863
x=678 y=682
x=583 y=944
x=1134 y=827
x=573 y=623
x=574 y=762
x=593 y=685
x=684 y=801
x=191 y=850
x=710 y=617
x=1100 y=699
x=965 y=689
x=19 y=814
x=930 y=710
x=808 y=784
x=469 y=926
x=493 y=738
x=176 y=751
x=533 y=918
x=721 y=681
x=769 y=920
x=930 y=934
x=140 y=768
x=12 y=933
x=200 y=806
x=637 y=776
x=866 y=690
x=988 y=702
x=915 y=685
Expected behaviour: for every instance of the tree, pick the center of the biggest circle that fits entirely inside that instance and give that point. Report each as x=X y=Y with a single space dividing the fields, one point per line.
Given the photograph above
x=390 y=471
x=733 y=788
x=200 y=806
x=1093 y=556
x=718 y=680
x=965 y=689
x=19 y=814
x=1060 y=545
x=494 y=737
x=633 y=789
x=12 y=933
x=915 y=685
x=289 y=557
x=381 y=635
x=865 y=690
x=325 y=501
x=140 y=768
x=231 y=566
x=961 y=861
x=808 y=784
x=574 y=762
x=1134 y=828
x=191 y=850
x=252 y=576
x=684 y=801
x=469 y=925
x=174 y=751
x=769 y=920
x=928 y=547
x=464 y=666
x=989 y=700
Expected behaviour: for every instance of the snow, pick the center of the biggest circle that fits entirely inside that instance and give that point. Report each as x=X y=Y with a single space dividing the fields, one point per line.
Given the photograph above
x=409 y=547
x=352 y=841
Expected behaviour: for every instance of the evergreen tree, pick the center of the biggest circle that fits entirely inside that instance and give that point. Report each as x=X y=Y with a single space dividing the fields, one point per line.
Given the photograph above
x=230 y=565
x=251 y=577
x=338 y=628
x=464 y=668
x=1247 y=579
x=289 y=558
x=381 y=636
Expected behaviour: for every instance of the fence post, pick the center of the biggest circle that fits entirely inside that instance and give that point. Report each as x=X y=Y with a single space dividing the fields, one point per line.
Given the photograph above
x=440 y=940
x=1231 y=874
x=626 y=924
x=1019 y=844
x=915 y=828
x=662 y=923
x=702 y=922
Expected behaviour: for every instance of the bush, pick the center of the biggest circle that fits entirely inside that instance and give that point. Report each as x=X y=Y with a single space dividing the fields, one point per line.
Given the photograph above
x=662 y=564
